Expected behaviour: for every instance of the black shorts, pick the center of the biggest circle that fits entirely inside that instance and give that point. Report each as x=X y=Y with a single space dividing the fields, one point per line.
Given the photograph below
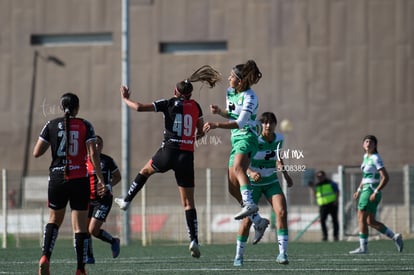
x=74 y=191
x=181 y=162
x=99 y=209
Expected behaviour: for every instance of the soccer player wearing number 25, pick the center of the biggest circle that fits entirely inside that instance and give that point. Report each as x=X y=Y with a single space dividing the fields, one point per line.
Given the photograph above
x=71 y=140
x=183 y=122
x=369 y=192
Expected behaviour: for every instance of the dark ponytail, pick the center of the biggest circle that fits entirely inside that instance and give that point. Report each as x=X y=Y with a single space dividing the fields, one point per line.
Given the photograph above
x=70 y=104
x=67 y=131
x=205 y=74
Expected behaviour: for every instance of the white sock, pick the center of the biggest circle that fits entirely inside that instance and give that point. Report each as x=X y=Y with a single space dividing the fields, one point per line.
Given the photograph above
x=283 y=243
x=247 y=196
x=389 y=233
x=255 y=218
x=240 y=248
x=363 y=243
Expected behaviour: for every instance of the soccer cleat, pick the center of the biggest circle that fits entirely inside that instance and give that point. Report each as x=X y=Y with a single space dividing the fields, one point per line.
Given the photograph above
x=81 y=272
x=398 y=242
x=194 y=249
x=282 y=258
x=359 y=250
x=115 y=247
x=247 y=210
x=90 y=260
x=122 y=204
x=259 y=230
x=44 y=266
x=238 y=261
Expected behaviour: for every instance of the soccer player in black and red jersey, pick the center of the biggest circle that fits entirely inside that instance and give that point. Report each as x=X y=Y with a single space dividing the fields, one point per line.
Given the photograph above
x=101 y=206
x=183 y=122
x=71 y=140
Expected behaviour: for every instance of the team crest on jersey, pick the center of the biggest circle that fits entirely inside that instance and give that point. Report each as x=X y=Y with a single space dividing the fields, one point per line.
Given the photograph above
x=177 y=103
x=240 y=101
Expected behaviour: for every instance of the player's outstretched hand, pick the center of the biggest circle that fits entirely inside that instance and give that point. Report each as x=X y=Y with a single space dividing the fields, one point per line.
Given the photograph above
x=208 y=126
x=214 y=109
x=124 y=92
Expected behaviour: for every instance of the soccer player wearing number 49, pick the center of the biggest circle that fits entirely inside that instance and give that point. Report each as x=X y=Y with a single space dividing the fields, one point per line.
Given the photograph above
x=183 y=122
x=374 y=179
x=264 y=180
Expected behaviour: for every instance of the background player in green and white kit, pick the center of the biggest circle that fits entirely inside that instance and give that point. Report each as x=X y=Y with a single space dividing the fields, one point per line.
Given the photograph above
x=374 y=179
x=263 y=177
x=241 y=109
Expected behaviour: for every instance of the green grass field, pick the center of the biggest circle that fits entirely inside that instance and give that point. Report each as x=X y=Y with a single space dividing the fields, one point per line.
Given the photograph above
x=305 y=258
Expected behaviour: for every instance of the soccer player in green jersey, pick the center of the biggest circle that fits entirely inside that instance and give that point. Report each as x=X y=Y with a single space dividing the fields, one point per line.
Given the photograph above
x=374 y=179
x=241 y=110
x=264 y=180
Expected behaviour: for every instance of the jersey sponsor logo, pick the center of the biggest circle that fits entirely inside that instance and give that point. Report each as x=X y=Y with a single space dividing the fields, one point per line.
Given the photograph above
x=74 y=167
x=58 y=169
x=189 y=141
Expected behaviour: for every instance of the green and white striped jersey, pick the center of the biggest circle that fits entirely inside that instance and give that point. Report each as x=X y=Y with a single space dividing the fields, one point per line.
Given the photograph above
x=264 y=161
x=238 y=102
x=370 y=166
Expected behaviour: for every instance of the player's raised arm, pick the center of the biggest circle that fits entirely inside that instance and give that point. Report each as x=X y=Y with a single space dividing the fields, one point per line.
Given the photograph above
x=137 y=106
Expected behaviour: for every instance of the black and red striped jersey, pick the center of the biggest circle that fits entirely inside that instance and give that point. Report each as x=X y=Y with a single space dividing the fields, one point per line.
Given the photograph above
x=108 y=167
x=80 y=132
x=180 y=119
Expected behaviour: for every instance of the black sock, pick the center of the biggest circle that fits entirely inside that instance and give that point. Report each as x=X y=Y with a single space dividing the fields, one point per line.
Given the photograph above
x=192 y=224
x=135 y=187
x=81 y=248
x=105 y=236
x=49 y=239
x=90 y=249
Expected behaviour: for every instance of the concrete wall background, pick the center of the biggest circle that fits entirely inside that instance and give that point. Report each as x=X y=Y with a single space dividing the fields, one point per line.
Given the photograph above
x=337 y=69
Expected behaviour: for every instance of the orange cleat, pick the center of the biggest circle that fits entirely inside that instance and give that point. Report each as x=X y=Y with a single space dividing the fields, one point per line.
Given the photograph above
x=44 y=266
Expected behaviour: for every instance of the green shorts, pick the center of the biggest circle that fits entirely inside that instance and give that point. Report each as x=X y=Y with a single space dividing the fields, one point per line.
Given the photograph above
x=268 y=190
x=365 y=204
x=244 y=144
